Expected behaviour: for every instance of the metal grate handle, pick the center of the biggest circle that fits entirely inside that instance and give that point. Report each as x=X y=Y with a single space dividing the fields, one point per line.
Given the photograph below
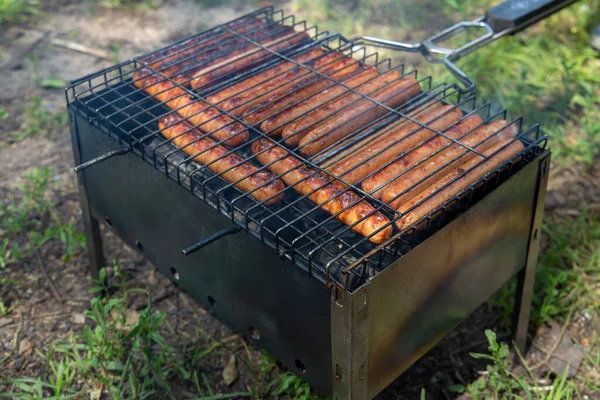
x=504 y=19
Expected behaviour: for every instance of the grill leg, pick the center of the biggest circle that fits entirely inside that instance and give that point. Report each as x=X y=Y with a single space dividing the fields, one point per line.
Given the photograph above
x=93 y=240
x=90 y=224
x=526 y=278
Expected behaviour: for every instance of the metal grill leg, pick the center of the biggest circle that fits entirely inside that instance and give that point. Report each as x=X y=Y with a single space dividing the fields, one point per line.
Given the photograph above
x=526 y=278
x=90 y=224
x=93 y=240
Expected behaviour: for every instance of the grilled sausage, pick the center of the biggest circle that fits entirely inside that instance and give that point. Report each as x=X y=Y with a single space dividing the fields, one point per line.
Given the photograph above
x=182 y=67
x=294 y=132
x=299 y=91
x=274 y=125
x=445 y=161
x=456 y=181
x=395 y=141
x=360 y=114
x=332 y=196
x=329 y=163
x=238 y=61
x=262 y=77
x=203 y=116
x=376 y=182
x=263 y=186
x=239 y=104
x=197 y=43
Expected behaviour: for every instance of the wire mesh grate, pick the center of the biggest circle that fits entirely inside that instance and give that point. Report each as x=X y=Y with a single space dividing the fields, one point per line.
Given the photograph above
x=131 y=100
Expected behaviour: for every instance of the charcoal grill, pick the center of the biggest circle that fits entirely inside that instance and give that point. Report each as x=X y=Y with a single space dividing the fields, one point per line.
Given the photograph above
x=347 y=314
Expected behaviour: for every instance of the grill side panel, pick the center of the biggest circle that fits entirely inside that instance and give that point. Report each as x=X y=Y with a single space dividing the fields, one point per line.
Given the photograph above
x=412 y=304
x=250 y=285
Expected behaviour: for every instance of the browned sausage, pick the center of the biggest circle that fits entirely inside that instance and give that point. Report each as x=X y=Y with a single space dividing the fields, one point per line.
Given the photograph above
x=181 y=68
x=295 y=131
x=262 y=77
x=244 y=59
x=197 y=43
x=456 y=181
x=376 y=182
x=300 y=90
x=262 y=185
x=418 y=114
x=203 y=116
x=361 y=113
x=396 y=141
x=274 y=125
x=442 y=163
x=332 y=196
x=238 y=105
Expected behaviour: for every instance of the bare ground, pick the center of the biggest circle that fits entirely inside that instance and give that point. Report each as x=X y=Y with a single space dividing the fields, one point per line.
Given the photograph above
x=47 y=309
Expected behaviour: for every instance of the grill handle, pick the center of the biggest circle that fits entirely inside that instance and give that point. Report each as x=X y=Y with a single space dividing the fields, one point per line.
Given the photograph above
x=513 y=16
x=101 y=158
x=212 y=238
x=504 y=19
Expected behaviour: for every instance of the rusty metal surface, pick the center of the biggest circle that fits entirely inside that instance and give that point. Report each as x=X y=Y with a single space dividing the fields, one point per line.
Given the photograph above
x=349 y=343
x=524 y=292
x=418 y=299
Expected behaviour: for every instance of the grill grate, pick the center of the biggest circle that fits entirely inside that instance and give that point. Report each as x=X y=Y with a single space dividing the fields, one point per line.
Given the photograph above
x=296 y=227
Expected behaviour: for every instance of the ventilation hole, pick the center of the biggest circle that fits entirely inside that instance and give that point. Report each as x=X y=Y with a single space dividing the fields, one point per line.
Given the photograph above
x=108 y=221
x=535 y=233
x=338 y=372
x=254 y=333
x=175 y=273
x=300 y=366
x=139 y=246
x=211 y=301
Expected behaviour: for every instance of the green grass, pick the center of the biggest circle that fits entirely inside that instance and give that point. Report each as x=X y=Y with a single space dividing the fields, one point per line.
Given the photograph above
x=130 y=358
x=38 y=119
x=17 y=10
x=499 y=382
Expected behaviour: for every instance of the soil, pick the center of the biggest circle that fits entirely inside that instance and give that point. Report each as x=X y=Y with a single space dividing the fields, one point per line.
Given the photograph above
x=46 y=310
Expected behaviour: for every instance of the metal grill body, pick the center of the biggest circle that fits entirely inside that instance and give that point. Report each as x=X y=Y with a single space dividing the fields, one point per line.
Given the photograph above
x=348 y=314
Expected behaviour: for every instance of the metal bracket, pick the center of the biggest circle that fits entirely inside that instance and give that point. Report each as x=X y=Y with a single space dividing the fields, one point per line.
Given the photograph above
x=101 y=158
x=212 y=238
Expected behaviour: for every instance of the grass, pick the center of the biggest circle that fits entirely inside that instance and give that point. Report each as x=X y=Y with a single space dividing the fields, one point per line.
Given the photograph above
x=17 y=10
x=38 y=119
x=127 y=357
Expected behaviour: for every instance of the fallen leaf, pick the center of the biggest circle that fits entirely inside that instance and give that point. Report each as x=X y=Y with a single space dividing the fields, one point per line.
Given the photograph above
x=230 y=373
x=25 y=347
x=53 y=82
x=78 y=318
